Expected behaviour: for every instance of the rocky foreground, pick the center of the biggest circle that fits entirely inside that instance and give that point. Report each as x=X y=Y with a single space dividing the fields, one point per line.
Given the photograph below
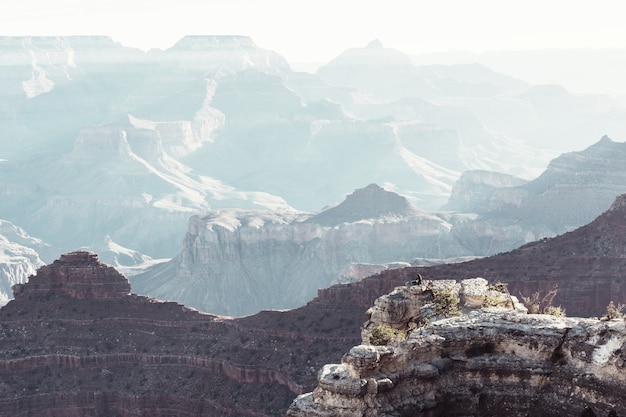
x=76 y=342
x=474 y=351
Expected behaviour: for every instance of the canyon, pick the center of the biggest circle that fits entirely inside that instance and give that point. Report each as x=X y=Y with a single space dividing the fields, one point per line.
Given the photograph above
x=216 y=154
x=229 y=256
x=76 y=341
x=144 y=139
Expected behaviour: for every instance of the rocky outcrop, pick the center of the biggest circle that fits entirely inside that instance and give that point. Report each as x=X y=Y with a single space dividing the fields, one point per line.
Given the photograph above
x=490 y=358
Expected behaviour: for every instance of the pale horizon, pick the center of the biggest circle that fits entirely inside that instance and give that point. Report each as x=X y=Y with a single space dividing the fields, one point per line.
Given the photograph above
x=318 y=32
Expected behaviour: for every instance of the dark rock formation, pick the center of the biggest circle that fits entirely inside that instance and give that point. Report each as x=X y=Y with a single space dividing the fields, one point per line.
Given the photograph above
x=75 y=342
x=63 y=355
x=77 y=274
x=488 y=361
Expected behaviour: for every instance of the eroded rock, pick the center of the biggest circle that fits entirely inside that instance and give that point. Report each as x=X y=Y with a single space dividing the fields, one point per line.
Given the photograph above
x=488 y=361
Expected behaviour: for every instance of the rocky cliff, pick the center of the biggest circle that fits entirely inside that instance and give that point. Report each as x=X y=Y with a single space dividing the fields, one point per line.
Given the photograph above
x=584 y=183
x=76 y=342
x=238 y=262
x=236 y=252
x=571 y=191
x=474 y=352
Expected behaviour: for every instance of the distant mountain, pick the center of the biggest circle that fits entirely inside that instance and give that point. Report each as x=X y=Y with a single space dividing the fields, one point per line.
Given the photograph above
x=237 y=262
x=574 y=94
x=100 y=140
x=373 y=229
x=474 y=189
x=371 y=202
x=582 y=70
x=390 y=74
x=376 y=70
x=574 y=188
x=468 y=80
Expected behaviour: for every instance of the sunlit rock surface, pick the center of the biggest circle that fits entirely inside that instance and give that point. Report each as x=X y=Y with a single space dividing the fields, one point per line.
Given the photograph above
x=488 y=361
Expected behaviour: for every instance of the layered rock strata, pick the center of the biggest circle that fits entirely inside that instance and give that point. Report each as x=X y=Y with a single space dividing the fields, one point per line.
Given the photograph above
x=253 y=260
x=77 y=274
x=76 y=342
x=487 y=361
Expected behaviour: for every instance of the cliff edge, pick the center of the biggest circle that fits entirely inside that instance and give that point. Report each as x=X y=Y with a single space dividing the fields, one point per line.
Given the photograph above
x=448 y=348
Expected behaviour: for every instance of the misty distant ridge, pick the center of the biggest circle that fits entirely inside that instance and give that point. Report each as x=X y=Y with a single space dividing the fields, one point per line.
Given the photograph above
x=114 y=149
x=580 y=70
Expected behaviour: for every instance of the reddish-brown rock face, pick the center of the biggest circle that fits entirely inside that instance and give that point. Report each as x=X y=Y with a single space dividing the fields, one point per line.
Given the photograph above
x=75 y=342
x=78 y=274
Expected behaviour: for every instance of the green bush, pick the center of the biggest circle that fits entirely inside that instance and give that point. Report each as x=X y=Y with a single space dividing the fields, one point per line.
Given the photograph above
x=446 y=302
x=383 y=334
x=555 y=311
x=493 y=301
x=502 y=287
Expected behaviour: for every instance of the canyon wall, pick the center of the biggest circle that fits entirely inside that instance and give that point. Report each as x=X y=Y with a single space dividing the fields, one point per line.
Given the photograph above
x=76 y=342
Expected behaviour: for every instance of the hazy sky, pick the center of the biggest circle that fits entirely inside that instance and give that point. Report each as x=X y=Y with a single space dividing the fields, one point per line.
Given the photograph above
x=318 y=30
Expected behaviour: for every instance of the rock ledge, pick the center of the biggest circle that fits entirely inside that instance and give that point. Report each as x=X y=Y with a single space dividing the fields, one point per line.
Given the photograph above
x=487 y=361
